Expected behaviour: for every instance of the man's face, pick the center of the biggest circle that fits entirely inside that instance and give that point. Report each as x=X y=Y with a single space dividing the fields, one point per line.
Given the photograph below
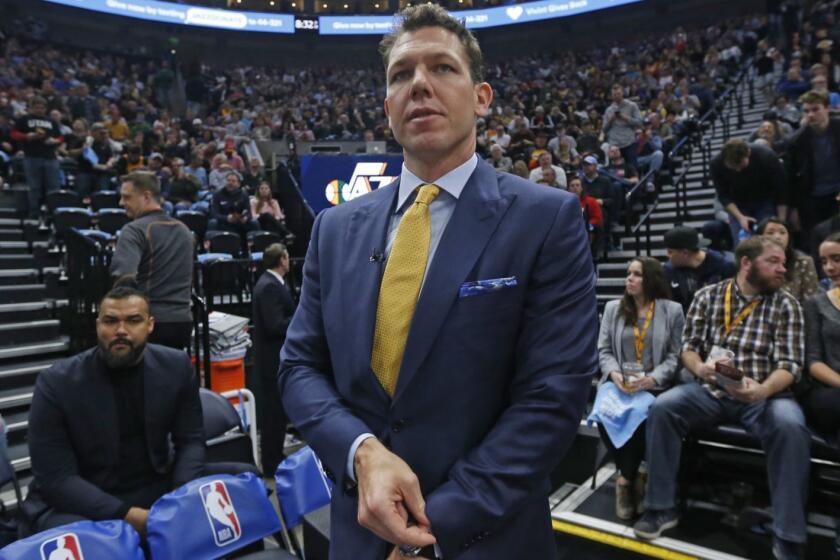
x=122 y=329
x=767 y=271
x=549 y=176
x=231 y=182
x=431 y=101
x=39 y=109
x=617 y=95
x=590 y=169
x=740 y=166
x=816 y=115
x=575 y=187
x=678 y=257
x=545 y=160
x=132 y=200
x=615 y=153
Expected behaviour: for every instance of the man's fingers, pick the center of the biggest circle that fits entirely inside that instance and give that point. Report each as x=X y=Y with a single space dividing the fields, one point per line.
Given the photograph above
x=414 y=502
x=401 y=534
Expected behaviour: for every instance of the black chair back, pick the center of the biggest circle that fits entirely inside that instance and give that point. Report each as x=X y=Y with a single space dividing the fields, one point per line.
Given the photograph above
x=63 y=199
x=260 y=240
x=225 y=242
x=112 y=220
x=66 y=218
x=104 y=199
x=196 y=221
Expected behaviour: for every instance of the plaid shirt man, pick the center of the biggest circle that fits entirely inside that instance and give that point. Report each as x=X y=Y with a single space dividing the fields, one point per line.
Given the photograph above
x=769 y=339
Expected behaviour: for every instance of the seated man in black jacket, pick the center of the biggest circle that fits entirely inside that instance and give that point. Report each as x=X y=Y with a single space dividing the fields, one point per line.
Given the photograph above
x=230 y=208
x=115 y=427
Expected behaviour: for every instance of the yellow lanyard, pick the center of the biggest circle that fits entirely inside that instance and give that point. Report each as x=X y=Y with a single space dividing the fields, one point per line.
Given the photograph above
x=640 y=335
x=729 y=324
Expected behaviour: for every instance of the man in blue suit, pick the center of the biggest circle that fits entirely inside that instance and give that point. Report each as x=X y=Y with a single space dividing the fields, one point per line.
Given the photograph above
x=440 y=388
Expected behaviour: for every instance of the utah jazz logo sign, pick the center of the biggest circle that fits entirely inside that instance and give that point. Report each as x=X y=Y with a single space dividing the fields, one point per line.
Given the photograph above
x=366 y=176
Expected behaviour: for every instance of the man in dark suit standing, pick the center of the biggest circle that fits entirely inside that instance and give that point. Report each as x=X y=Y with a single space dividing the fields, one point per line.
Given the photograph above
x=115 y=427
x=273 y=308
x=443 y=348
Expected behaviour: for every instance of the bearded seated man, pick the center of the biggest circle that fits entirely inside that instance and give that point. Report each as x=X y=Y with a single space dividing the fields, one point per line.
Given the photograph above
x=747 y=326
x=114 y=427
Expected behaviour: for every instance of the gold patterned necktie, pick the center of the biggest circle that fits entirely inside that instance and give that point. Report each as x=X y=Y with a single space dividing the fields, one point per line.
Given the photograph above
x=400 y=288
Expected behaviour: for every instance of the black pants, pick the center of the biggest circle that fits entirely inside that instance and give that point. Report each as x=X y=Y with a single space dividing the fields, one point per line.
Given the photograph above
x=629 y=456
x=270 y=223
x=175 y=335
x=822 y=406
x=272 y=424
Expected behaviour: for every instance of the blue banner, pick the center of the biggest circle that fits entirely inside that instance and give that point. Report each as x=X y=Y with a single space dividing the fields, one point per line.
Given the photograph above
x=184 y=14
x=474 y=19
x=328 y=180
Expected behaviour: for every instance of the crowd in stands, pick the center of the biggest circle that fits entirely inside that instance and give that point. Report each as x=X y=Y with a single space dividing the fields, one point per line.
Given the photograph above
x=594 y=123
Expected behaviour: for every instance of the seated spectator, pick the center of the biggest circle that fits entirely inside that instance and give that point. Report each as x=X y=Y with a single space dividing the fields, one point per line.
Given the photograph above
x=254 y=175
x=520 y=168
x=267 y=211
x=541 y=121
x=196 y=168
x=219 y=172
x=770 y=134
x=588 y=143
x=115 y=427
x=800 y=275
x=821 y=231
x=750 y=183
x=822 y=331
x=592 y=216
x=544 y=163
x=549 y=178
x=539 y=148
x=502 y=138
x=183 y=187
x=230 y=209
x=691 y=266
x=233 y=159
x=793 y=86
x=116 y=125
x=644 y=328
x=619 y=168
x=820 y=84
x=650 y=146
x=787 y=112
x=131 y=160
x=163 y=174
x=603 y=191
x=566 y=155
x=762 y=326
x=498 y=160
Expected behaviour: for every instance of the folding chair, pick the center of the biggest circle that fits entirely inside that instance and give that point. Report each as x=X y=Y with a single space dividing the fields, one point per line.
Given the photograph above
x=104 y=199
x=112 y=220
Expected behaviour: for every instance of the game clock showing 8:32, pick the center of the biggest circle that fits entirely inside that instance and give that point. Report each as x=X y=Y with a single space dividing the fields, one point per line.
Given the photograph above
x=306 y=24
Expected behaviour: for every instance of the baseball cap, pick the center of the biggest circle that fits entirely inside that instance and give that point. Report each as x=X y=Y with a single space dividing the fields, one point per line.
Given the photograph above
x=684 y=237
x=591 y=160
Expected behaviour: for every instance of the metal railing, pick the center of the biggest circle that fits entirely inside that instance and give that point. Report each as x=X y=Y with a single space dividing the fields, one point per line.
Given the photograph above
x=687 y=148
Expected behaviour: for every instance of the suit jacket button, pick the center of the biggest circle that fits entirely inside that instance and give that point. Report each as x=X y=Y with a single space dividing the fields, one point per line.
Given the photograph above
x=397 y=425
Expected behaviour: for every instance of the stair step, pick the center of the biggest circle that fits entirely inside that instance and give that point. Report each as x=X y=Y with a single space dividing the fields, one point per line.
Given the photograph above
x=692 y=193
x=14 y=247
x=10 y=222
x=58 y=345
x=11 y=234
x=19 y=457
x=16 y=261
x=18 y=276
x=14 y=399
x=20 y=377
x=625 y=254
x=31 y=331
x=21 y=293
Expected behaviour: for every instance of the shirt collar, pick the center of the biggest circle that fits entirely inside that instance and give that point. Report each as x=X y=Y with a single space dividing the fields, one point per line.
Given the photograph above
x=453 y=182
x=276 y=276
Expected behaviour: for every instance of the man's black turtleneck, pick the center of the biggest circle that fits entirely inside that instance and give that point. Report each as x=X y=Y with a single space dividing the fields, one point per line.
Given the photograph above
x=138 y=481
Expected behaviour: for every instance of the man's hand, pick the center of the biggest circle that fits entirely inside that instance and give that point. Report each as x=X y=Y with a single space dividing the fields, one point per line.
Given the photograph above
x=706 y=372
x=751 y=392
x=388 y=493
x=645 y=383
x=746 y=222
x=232 y=217
x=139 y=519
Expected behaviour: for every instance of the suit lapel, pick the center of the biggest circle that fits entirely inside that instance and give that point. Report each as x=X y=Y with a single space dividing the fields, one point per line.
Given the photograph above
x=659 y=325
x=477 y=213
x=366 y=235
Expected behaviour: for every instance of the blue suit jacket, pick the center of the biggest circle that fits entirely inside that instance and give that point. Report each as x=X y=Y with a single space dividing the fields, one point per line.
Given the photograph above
x=492 y=386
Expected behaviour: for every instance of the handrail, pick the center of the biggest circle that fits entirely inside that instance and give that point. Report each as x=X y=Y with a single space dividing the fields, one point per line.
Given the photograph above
x=685 y=144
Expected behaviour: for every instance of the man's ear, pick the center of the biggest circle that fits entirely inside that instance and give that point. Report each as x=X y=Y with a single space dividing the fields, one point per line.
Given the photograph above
x=483 y=99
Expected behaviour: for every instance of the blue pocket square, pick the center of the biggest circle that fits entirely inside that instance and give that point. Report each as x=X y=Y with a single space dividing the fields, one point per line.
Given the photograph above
x=486 y=286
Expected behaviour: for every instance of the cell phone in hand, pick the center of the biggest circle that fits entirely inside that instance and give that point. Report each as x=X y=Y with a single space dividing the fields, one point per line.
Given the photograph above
x=728 y=376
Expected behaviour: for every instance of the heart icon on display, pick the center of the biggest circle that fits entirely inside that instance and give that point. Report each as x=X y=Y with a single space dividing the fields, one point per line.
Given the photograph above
x=514 y=12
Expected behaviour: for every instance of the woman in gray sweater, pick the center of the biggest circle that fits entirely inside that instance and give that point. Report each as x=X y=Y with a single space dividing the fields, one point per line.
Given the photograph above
x=822 y=325
x=643 y=327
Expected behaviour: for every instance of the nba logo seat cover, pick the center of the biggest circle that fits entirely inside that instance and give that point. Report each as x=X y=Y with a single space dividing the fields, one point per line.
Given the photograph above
x=83 y=540
x=210 y=517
